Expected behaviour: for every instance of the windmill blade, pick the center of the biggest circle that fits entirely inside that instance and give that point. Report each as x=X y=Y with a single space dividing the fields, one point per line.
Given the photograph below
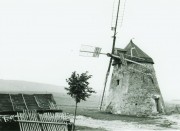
x=90 y=51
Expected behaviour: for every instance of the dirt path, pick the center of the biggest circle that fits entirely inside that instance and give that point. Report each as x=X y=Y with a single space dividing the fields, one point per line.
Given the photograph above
x=167 y=123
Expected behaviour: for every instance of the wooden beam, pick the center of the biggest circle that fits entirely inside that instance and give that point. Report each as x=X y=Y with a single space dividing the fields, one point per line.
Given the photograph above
x=37 y=102
x=11 y=102
x=25 y=102
x=118 y=57
x=41 y=122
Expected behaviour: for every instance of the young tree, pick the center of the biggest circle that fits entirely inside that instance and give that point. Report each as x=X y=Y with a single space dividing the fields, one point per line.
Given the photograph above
x=78 y=88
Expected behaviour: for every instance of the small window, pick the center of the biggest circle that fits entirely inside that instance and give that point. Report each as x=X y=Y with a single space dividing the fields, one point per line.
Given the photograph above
x=117 y=82
x=119 y=66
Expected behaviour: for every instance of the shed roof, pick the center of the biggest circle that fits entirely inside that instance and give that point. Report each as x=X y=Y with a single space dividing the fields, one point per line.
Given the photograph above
x=20 y=102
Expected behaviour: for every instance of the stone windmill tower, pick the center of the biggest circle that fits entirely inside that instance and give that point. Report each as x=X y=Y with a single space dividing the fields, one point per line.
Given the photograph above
x=134 y=88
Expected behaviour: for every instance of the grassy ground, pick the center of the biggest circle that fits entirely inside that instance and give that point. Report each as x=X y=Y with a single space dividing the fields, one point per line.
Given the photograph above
x=84 y=128
x=89 y=108
x=100 y=115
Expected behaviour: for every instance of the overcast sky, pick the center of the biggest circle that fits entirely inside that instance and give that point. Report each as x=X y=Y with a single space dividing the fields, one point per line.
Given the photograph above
x=40 y=39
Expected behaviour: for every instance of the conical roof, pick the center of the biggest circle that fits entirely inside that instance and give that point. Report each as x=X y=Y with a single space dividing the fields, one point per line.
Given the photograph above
x=133 y=52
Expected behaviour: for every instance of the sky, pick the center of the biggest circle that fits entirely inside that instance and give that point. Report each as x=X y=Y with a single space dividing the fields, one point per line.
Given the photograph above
x=40 y=39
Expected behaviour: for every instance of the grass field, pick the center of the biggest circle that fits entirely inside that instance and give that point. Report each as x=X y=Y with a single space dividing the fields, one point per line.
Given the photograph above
x=90 y=118
x=88 y=112
x=100 y=115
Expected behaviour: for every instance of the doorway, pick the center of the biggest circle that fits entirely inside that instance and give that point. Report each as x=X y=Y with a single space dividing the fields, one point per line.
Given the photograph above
x=157 y=104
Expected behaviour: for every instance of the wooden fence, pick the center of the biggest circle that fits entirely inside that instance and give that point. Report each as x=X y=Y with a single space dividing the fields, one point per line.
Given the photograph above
x=33 y=121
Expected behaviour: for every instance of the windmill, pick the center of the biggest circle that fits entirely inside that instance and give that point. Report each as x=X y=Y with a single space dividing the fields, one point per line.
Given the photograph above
x=130 y=57
x=87 y=50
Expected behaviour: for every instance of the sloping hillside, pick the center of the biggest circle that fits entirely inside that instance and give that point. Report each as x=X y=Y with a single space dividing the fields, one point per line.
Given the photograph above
x=59 y=93
x=25 y=86
x=62 y=99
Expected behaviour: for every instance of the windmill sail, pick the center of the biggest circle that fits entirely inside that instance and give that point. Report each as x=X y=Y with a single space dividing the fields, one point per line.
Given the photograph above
x=97 y=51
x=90 y=51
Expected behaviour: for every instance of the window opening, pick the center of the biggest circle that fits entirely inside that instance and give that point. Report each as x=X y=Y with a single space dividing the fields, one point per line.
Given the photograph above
x=118 y=82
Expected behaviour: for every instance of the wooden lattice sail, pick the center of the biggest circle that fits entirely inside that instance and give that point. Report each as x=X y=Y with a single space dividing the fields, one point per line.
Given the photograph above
x=134 y=88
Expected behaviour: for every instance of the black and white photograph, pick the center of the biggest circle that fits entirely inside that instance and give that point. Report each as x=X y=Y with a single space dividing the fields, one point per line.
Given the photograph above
x=89 y=65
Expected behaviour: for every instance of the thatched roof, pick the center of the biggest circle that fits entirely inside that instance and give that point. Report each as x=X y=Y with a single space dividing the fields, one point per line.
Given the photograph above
x=133 y=52
x=20 y=102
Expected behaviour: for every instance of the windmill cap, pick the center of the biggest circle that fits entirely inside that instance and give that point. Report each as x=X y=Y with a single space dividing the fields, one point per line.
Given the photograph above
x=133 y=52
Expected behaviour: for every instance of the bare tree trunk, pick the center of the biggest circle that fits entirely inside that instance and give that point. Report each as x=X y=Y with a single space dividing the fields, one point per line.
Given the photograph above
x=75 y=116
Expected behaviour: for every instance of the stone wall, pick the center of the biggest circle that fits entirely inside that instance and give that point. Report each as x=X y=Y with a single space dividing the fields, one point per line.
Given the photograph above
x=134 y=91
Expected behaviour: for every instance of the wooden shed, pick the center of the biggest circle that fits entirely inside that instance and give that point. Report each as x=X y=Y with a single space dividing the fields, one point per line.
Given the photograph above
x=31 y=112
x=13 y=103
